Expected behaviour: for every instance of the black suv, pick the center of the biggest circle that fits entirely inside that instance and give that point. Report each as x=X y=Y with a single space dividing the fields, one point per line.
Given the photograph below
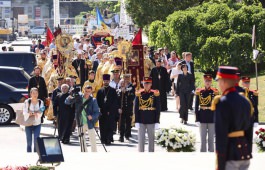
x=11 y=100
x=14 y=76
x=26 y=60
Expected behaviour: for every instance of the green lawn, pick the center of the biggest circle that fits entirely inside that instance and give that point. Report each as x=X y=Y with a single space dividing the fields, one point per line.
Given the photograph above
x=261 y=81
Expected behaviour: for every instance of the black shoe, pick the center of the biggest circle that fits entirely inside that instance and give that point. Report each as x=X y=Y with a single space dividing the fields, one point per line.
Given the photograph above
x=66 y=141
x=185 y=122
x=108 y=142
x=127 y=138
x=121 y=139
x=191 y=108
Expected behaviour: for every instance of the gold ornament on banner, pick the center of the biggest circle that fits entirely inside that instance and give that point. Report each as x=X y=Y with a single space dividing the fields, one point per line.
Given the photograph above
x=124 y=49
x=64 y=44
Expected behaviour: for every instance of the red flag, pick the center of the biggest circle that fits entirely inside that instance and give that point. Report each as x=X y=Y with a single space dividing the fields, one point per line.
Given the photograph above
x=138 y=38
x=49 y=36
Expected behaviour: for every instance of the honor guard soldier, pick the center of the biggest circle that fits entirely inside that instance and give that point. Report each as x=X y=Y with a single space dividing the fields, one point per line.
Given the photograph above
x=204 y=114
x=147 y=114
x=126 y=95
x=253 y=97
x=239 y=88
x=232 y=123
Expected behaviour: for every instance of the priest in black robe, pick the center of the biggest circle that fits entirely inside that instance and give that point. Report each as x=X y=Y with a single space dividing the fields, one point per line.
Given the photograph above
x=81 y=68
x=161 y=82
x=107 y=99
x=64 y=114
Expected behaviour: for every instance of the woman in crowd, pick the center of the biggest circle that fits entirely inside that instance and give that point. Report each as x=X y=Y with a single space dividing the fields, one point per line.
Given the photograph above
x=32 y=111
x=174 y=75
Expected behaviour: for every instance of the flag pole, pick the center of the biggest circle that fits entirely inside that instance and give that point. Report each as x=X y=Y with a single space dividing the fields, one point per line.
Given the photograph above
x=254 y=45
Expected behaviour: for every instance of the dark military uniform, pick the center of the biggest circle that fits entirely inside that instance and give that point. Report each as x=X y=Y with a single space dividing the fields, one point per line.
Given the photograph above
x=126 y=101
x=147 y=113
x=147 y=107
x=253 y=97
x=232 y=125
x=108 y=103
x=205 y=116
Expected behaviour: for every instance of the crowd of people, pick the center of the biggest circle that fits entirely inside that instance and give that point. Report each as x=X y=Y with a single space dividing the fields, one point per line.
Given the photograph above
x=107 y=99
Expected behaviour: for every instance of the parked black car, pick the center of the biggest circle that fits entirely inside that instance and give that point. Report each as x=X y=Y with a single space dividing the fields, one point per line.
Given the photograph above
x=11 y=100
x=14 y=76
x=26 y=60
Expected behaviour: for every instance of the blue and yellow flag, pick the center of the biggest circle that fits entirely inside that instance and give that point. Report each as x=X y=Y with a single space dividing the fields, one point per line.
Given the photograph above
x=100 y=20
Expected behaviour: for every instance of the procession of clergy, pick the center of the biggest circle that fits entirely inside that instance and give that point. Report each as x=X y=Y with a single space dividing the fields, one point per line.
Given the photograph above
x=122 y=106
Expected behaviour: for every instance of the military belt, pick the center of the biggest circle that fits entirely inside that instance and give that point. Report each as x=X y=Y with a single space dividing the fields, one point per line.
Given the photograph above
x=205 y=108
x=147 y=108
x=235 y=134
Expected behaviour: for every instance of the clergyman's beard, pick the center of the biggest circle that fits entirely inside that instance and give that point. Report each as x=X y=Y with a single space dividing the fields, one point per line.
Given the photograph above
x=106 y=84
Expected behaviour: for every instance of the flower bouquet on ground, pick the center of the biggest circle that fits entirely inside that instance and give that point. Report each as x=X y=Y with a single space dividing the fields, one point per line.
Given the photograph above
x=176 y=139
x=260 y=139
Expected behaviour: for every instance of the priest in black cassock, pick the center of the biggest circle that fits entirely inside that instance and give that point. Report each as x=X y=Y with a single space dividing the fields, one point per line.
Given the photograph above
x=81 y=68
x=107 y=99
x=161 y=82
x=64 y=114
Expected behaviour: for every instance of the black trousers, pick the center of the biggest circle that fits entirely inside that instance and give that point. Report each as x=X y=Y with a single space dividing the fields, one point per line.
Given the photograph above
x=191 y=101
x=125 y=124
x=106 y=122
x=184 y=105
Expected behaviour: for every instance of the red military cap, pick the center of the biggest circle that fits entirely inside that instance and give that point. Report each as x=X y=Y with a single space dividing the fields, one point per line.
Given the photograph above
x=147 y=80
x=245 y=79
x=208 y=77
x=227 y=72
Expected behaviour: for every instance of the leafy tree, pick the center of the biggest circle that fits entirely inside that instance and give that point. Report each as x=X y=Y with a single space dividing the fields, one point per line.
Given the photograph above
x=217 y=33
x=144 y=12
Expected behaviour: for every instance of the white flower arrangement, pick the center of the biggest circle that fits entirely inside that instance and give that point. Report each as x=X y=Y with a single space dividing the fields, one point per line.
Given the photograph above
x=176 y=139
x=260 y=139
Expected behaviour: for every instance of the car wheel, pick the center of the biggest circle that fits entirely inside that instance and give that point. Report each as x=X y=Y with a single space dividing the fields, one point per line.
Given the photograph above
x=6 y=114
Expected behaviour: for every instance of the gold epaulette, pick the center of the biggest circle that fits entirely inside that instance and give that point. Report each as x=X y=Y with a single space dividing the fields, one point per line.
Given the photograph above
x=251 y=105
x=215 y=90
x=215 y=101
x=156 y=92
x=255 y=92
x=198 y=91
x=138 y=93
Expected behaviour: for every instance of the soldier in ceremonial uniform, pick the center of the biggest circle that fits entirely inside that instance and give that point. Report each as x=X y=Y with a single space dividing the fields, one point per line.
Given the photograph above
x=239 y=88
x=253 y=97
x=57 y=91
x=232 y=123
x=108 y=103
x=147 y=114
x=126 y=95
x=204 y=114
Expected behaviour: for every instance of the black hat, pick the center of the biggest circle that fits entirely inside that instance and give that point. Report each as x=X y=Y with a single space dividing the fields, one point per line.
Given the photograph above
x=227 y=72
x=106 y=77
x=116 y=69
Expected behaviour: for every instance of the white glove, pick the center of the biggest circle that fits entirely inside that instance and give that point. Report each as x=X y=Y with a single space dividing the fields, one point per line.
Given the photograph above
x=198 y=123
x=256 y=124
x=156 y=126
x=137 y=125
x=193 y=91
x=120 y=111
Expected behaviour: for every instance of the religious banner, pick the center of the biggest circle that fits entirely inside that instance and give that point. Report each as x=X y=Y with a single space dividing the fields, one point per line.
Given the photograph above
x=135 y=65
